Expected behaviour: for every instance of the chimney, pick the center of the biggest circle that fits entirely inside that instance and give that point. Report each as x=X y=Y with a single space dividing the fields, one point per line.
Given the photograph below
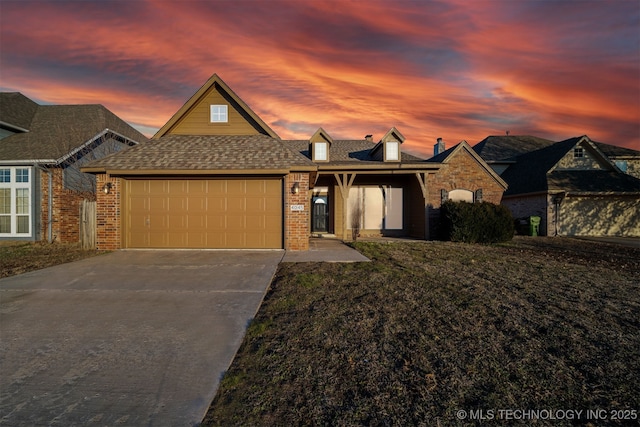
x=369 y=138
x=438 y=147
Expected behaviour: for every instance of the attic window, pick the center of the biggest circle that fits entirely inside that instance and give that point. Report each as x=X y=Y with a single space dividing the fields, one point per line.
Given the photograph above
x=219 y=114
x=320 y=151
x=578 y=153
x=392 y=151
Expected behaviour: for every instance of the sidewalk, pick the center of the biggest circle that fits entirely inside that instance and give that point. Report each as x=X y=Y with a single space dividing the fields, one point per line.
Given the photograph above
x=325 y=250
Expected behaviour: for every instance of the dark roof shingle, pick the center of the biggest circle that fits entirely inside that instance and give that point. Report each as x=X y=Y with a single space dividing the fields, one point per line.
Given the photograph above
x=207 y=152
x=56 y=130
x=349 y=151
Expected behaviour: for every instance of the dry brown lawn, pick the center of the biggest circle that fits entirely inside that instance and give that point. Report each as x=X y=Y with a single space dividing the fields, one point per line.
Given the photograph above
x=430 y=329
x=21 y=257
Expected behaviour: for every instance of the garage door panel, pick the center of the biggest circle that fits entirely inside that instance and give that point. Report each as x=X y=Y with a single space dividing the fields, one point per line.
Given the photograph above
x=215 y=213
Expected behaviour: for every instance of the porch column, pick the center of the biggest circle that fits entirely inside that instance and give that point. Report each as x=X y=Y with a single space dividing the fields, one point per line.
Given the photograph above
x=422 y=181
x=345 y=181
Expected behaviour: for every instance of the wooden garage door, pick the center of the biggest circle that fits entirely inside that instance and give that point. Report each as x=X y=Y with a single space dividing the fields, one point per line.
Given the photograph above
x=195 y=213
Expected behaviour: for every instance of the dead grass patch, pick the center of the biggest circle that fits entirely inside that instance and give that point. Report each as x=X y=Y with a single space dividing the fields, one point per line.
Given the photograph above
x=430 y=328
x=22 y=257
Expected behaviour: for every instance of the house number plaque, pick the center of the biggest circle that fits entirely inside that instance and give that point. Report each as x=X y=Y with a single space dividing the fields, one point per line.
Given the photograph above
x=297 y=208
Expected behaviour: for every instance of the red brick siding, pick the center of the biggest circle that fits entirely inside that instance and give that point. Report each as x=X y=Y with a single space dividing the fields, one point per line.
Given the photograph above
x=108 y=220
x=297 y=224
x=65 y=215
x=462 y=171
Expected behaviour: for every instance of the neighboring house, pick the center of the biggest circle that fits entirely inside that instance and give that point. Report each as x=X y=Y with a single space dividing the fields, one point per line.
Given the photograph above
x=42 y=148
x=577 y=186
x=217 y=176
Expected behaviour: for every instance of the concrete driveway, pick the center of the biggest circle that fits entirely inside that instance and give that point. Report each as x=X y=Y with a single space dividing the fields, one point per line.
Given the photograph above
x=135 y=338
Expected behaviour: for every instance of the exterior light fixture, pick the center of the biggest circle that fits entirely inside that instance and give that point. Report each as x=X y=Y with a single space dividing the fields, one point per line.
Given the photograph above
x=106 y=189
x=296 y=188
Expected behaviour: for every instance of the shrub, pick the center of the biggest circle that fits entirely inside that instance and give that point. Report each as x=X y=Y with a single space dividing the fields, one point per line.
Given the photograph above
x=476 y=222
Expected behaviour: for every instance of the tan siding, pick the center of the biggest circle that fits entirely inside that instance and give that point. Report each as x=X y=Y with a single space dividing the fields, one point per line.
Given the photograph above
x=197 y=120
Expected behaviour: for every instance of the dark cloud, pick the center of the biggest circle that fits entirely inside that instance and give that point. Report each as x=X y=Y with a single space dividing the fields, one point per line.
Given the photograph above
x=455 y=69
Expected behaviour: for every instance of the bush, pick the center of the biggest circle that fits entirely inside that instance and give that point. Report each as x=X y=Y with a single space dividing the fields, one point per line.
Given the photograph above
x=476 y=222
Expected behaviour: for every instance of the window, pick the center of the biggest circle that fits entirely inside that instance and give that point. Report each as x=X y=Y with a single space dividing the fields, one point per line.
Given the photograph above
x=622 y=165
x=578 y=153
x=320 y=150
x=22 y=175
x=219 y=114
x=392 y=151
x=15 y=202
x=461 y=196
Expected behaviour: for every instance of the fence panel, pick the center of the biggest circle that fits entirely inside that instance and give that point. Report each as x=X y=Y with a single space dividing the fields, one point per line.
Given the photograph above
x=88 y=224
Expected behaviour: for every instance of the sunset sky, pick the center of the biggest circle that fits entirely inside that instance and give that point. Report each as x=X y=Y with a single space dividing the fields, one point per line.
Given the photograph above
x=456 y=69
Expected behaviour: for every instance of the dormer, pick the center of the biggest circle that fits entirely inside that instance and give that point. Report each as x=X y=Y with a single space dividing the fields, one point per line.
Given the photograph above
x=320 y=146
x=388 y=149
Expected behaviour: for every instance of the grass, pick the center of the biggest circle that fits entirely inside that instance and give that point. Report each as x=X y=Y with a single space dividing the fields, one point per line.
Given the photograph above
x=431 y=328
x=22 y=257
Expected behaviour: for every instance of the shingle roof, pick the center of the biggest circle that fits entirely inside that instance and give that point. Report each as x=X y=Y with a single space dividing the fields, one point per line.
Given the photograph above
x=593 y=181
x=207 y=152
x=532 y=173
x=504 y=147
x=56 y=130
x=344 y=152
x=16 y=109
x=614 y=151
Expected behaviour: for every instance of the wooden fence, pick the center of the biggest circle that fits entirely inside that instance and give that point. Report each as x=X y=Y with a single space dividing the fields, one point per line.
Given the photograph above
x=88 y=224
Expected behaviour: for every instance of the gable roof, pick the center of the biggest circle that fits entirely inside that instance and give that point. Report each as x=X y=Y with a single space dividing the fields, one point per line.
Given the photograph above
x=188 y=154
x=16 y=111
x=506 y=148
x=215 y=82
x=447 y=155
x=534 y=172
x=55 y=131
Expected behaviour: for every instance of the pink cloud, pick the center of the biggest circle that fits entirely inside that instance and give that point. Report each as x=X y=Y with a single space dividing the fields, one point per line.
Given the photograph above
x=452 y=69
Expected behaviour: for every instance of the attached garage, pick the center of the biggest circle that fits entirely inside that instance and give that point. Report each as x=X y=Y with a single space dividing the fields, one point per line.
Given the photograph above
x=221 y=213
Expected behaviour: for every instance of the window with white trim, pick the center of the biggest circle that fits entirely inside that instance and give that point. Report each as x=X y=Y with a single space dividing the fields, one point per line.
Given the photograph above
x=320 y=151
x=219 y=114
x=15 y=202
x=578 y=153
x=392 y=151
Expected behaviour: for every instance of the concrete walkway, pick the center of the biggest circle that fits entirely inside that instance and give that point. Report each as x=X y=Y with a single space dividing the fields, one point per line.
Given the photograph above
x=326 y=250
x=134 y=338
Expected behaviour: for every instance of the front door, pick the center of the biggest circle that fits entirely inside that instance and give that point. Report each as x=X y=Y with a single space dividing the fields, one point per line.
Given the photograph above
x=320 y=215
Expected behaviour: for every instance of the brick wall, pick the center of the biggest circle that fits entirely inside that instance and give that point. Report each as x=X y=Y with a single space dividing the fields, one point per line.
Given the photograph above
x=463 y=172
x=65 y=215
x=108 y=214
x=297 y=223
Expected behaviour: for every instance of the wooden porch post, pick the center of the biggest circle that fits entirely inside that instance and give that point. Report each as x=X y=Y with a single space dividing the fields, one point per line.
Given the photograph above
x=345 y=181
x=422 y=180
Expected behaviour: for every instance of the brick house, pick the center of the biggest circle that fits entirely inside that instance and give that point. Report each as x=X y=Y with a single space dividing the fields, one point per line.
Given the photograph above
x=217 y=176
x=578 y=187
x=42 y=148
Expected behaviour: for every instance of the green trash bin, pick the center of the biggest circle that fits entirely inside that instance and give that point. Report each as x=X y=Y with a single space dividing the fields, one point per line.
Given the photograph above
x=534 y=225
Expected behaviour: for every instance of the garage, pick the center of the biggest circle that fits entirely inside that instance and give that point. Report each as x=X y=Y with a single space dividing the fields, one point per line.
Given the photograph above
x=229 y=213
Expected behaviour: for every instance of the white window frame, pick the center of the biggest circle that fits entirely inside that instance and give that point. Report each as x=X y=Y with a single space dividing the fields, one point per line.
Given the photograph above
x=320 y=151
x=392 y=151
x=219 y=113
x=14 y=186
x=578 y=153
